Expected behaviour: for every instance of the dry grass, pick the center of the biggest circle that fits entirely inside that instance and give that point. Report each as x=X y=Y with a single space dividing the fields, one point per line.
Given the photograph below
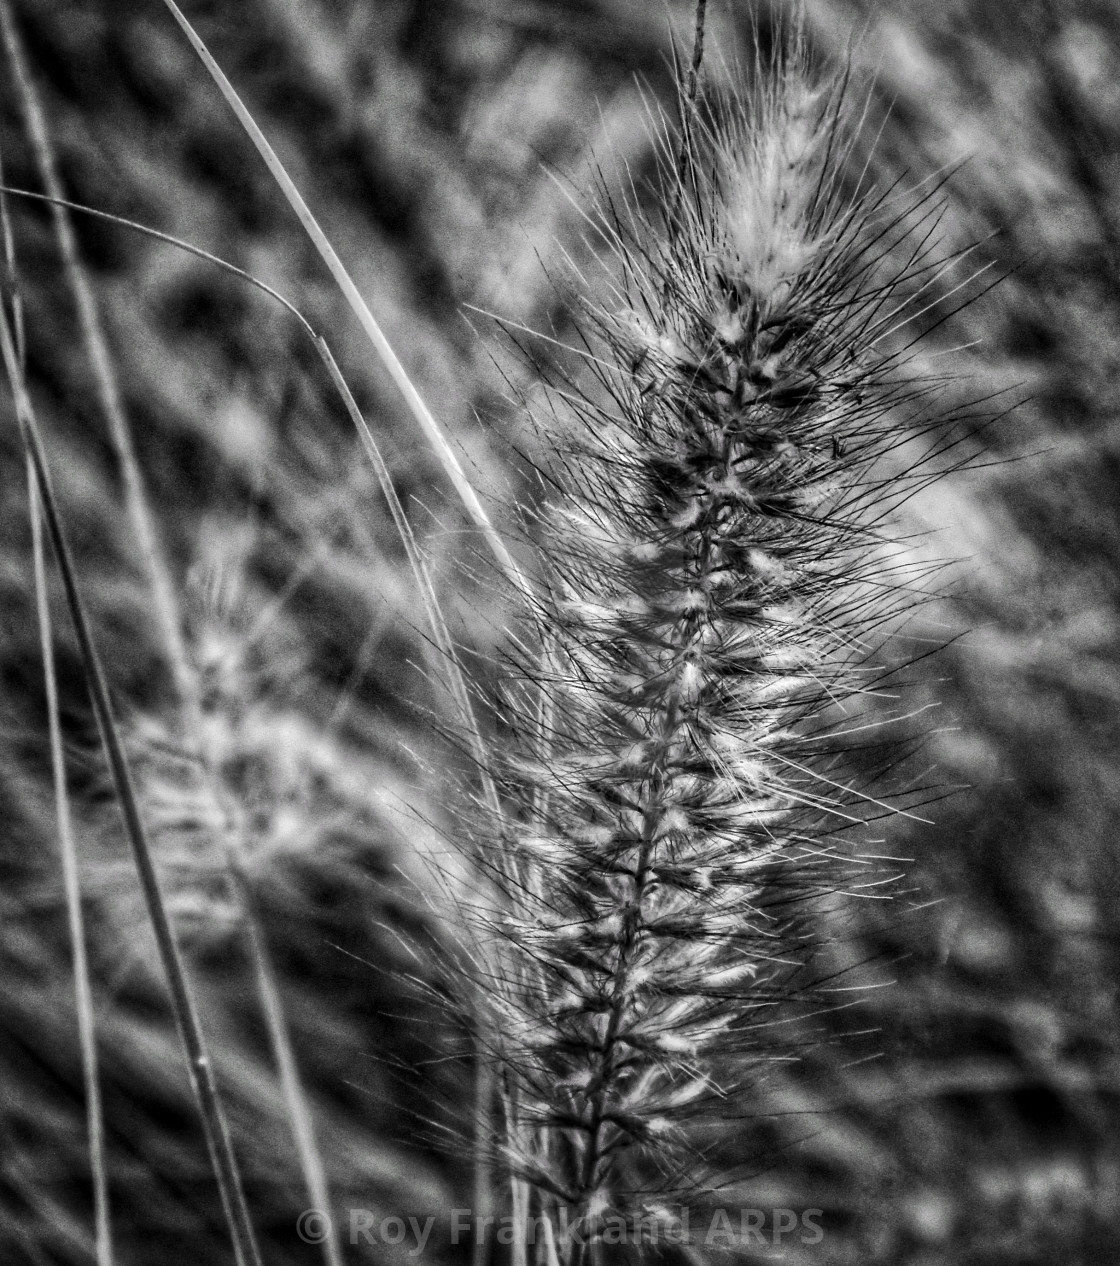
x=964 y=1114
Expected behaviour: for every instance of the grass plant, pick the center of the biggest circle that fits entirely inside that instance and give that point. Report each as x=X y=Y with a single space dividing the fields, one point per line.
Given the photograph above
x=717 y=575
x=616 y=959
x=713 y=574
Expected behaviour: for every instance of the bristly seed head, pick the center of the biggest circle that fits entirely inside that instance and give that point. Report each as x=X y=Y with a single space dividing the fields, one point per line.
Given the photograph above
x=703 y=621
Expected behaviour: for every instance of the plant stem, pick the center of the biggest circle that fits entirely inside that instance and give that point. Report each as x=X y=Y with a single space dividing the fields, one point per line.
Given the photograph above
x=384 y=349
x=199 y=1067
x=83 y=992
x=144 y=532
x=280 y=1039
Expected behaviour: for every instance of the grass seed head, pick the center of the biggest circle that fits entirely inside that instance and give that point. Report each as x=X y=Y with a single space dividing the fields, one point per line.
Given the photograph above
x=705 y=618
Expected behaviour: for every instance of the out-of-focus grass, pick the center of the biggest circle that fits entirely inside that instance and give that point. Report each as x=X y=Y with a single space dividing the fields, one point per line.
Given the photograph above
x=982 y=1131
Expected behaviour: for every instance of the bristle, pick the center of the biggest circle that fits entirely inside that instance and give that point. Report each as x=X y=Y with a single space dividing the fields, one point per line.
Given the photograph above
x=709 y=590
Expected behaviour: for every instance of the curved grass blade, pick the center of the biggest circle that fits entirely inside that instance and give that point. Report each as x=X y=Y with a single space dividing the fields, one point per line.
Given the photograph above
x=415 y=402
x=458 y=686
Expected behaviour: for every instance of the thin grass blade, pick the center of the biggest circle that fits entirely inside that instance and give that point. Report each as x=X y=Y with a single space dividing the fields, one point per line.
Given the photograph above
x=200 y=1069
x=152 y=557
x=415 y=402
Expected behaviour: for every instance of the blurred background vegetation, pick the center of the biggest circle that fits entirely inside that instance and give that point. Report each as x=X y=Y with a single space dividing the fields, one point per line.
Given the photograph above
x=963 y=1111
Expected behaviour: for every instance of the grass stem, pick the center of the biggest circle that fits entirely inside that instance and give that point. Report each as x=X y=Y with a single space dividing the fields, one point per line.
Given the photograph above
x=199 y=1067
x=397 y=372
x=291 y=1084
x=156 y=570
x=83 y=992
